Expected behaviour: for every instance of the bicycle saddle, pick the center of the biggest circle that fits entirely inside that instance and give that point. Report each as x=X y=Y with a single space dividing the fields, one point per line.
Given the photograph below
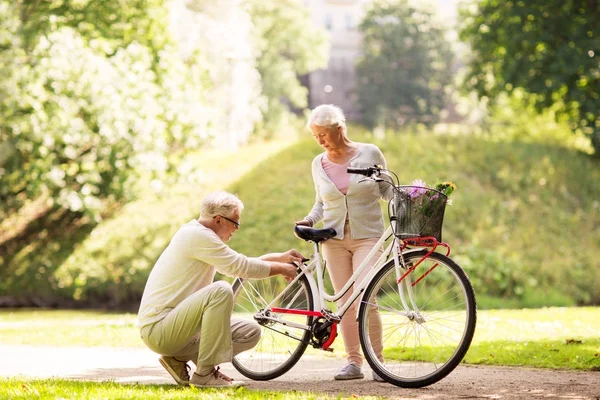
x=312 y=234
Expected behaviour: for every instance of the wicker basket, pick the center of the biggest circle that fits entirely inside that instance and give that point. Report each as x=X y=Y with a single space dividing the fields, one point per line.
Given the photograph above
x=417 y=211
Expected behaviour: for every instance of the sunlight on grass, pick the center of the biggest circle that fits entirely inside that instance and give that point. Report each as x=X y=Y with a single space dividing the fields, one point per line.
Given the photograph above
x=68 y=328
x=538 y=324
x=549 y=337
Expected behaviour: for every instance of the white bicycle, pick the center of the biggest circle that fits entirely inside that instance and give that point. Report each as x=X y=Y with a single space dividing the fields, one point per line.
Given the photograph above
x=417 y=307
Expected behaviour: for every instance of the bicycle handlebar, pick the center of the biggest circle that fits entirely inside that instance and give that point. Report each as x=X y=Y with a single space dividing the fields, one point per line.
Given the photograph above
x=369 y=171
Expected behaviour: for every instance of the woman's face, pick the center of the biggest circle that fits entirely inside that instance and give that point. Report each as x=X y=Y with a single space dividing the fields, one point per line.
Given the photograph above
x=328 y=138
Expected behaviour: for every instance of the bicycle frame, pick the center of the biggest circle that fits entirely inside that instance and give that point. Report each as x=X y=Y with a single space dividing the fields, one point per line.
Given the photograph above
x=318 y=287
x=320 y=296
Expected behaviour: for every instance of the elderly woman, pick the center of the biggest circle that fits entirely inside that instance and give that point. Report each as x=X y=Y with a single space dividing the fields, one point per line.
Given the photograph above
x=353 y=210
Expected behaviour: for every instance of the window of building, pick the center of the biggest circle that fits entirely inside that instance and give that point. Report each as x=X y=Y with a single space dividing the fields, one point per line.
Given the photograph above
x=349 y=22
x=329 y=21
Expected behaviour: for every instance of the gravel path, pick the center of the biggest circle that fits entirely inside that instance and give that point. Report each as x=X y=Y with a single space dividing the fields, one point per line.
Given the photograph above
x=313 y=374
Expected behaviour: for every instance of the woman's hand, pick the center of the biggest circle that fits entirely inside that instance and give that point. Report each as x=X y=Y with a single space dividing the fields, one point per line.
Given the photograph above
x=304 y=222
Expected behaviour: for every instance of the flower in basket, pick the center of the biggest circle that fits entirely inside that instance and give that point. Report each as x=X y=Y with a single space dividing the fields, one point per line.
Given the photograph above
x=446 y=187
x=419 y=209
x=418 y=189
x=428 y=200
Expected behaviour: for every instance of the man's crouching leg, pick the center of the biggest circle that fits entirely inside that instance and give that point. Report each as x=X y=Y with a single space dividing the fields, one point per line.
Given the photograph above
x=215 y=338
x=245 y=334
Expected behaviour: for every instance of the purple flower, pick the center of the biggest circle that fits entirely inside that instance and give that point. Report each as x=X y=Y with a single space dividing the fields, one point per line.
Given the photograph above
x=418 y=189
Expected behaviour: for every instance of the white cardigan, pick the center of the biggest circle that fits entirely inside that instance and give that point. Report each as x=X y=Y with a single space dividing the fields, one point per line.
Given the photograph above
x=361 y=201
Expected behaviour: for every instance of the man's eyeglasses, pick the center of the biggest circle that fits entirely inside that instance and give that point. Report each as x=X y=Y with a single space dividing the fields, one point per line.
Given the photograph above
x=236 y=224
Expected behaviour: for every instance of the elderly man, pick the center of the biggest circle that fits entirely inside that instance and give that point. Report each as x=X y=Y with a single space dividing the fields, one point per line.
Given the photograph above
x=186 y=316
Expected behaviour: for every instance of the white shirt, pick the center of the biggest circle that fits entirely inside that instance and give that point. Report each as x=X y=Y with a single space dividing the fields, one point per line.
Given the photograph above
x=187 y=265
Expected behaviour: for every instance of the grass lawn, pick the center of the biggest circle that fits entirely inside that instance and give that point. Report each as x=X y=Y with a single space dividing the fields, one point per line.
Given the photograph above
x=545 y=338
x=65 y=389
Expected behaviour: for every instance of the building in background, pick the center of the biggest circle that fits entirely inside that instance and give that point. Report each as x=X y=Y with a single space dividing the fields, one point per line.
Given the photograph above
x=337 y=83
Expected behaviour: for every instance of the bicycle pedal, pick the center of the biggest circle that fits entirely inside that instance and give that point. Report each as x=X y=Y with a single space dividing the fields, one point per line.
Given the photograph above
x=330 y=349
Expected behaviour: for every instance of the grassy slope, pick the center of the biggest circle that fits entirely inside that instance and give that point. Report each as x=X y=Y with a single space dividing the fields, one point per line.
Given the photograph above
x=525 y=221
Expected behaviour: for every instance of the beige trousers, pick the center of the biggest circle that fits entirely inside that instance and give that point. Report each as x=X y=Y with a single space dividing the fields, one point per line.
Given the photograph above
x=343 y=257
x=201 y=329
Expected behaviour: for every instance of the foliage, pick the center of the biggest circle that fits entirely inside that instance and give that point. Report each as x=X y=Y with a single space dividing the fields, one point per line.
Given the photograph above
x=405 y=68
x=87 y=101
x=289 y=46
x=549 y=49
x=65 y=263
x=524 y=224
x=513 y=118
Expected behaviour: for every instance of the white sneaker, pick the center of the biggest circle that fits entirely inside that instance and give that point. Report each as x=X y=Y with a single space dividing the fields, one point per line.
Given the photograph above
x=347 y=372
x=214 y=379
x=377 y=378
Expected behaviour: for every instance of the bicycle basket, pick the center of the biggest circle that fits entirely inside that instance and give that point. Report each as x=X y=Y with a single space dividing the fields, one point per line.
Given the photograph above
x=417 y=212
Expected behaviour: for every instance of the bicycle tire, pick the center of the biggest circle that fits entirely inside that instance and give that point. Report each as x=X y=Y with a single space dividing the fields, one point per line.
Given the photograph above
x=440 y=331
x=275 y=353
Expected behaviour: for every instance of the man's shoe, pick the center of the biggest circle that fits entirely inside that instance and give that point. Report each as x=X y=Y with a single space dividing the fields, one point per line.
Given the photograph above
x=377 y=378
x=347 y=372
x=214 y=379
x=179 y=370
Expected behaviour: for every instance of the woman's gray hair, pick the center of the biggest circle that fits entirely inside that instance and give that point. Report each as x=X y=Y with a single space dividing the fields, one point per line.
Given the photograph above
x=327 y=115
x=220 y=203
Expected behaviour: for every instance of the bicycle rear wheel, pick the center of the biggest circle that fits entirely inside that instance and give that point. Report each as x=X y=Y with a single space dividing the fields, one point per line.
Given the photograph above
x=281 y=345
x=418 y=341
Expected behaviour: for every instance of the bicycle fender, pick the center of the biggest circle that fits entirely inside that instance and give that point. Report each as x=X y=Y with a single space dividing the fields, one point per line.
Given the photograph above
x=363 y=296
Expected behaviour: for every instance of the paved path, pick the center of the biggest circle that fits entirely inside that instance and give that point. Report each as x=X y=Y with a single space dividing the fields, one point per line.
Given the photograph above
x=128 y=365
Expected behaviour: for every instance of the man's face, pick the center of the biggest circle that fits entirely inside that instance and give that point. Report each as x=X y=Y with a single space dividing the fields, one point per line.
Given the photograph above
x=227 y=224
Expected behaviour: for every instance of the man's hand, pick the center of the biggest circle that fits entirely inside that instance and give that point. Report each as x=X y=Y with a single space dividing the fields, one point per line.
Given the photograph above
x=287 y=270
x=290 y=256
x=293 y=256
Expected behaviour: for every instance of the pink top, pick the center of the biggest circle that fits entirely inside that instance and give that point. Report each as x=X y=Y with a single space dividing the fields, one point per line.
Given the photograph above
x=337 y=173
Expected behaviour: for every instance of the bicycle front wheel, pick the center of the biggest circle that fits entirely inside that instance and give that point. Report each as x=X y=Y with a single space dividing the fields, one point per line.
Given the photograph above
x=282 y=340
x=415 y=332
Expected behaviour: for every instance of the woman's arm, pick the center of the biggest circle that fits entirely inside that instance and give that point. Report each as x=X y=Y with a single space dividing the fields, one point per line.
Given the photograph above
x=316 y=213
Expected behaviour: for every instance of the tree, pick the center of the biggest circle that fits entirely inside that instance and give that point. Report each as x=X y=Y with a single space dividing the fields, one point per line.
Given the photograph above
x=405 y=66
x=549 y=49
x=90 y=95
x=288 y=46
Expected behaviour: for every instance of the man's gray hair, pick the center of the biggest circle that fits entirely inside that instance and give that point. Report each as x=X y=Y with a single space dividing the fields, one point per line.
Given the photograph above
x=327 y=115
x=220 y=203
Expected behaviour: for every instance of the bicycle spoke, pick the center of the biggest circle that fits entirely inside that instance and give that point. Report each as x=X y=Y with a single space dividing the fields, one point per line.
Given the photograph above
x=280 y=345
x=424 y=343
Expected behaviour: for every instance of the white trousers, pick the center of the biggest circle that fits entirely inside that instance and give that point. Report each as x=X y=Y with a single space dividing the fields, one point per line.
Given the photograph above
x=201 y=329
